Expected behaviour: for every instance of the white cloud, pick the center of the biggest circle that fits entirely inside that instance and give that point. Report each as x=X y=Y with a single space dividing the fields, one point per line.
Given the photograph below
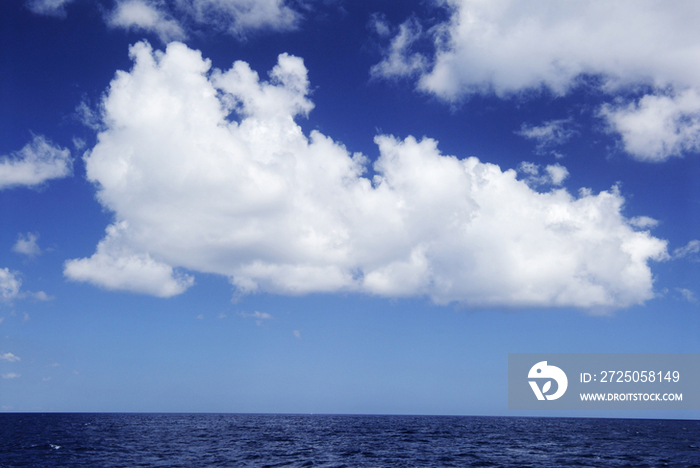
x=145 y=15
x=241 y=16
x=657 y=126
x=9 y=357
x=557 y=173
x=207 y=171
x=222 y=316
x=257 y=315
x=26 y=244
x=643 y=222
x=510 y=46
x=379 y=25
x=34 y=164
x=115 y=267
x=549 y=134
x=554 y=174
x=79 y=143
x=49 y=7
x=399 y=61
x=506 y=46
x=297 y=334
x=171 y=19
x=88 y=117
x=691 y=248
x=10 y=375
x=42 y=296
x=9 y=285
x=687 y=294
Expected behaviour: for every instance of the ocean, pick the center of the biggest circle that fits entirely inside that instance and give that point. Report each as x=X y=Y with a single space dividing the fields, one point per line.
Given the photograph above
x=250 y=440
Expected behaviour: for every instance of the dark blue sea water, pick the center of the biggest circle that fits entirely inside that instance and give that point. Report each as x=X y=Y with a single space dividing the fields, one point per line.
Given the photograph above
x=232 y=440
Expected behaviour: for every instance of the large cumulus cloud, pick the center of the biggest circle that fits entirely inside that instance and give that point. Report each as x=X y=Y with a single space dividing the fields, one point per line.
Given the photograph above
x=509 y=46
x=207 y=171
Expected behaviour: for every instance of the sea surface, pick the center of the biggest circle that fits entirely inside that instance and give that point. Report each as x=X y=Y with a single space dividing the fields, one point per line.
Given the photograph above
x=248 y=440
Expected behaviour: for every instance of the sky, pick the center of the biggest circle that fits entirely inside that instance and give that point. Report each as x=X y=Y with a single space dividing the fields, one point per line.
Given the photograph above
x=325 y=206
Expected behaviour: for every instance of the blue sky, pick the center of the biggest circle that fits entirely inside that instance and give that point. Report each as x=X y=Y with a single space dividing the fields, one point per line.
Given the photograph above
x=339 y=207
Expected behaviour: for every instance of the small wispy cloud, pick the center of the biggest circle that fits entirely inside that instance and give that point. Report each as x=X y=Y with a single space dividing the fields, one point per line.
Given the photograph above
x=9 y=284
x=557 y=173
x=200 y=316
x=379 y=25
x=687 y=294
x=26 y=244
x=9 y=357
x=11 y=375
x=259 y=316
x=548 y=135
x=399 y=59
x=37 y=296
x=643 y=222
x=222 y=316
x=297 y=334
x=39 y=161
x=88 y=117
x=42 y=296
x=554 y=174
x=691 y=248
x=49 y=7
x=146 y=16
x=79 y=143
